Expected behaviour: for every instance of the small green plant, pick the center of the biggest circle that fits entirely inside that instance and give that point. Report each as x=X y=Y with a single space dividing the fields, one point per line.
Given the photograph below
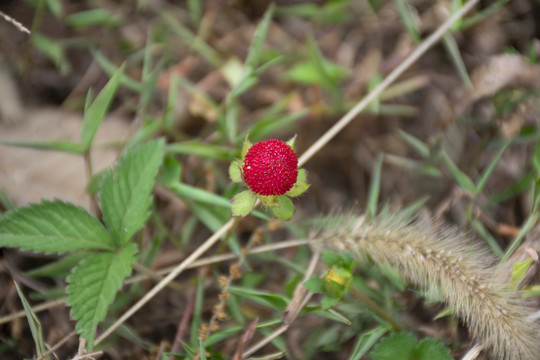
x=403 y=346
x=336 y=281
x=59 y=227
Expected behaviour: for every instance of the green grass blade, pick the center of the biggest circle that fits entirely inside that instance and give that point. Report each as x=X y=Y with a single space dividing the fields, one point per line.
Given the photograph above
x=453 y=50
x=198 y=148
x=195 y=42
x=111 y=69
x=274 y=301
x=375 y=187
x=531 y=222
x=93 y=286
x=65 y=146
x=483 y=13
x=459 y=176
x=492 y=243
x=195 y=8
x=94 y=114
x=93 y=17
x=491 y=167
x=408 y=20
x=259 y=37
x=35 y=325
x=52 y=49
x=194 y=193
x=418 y=145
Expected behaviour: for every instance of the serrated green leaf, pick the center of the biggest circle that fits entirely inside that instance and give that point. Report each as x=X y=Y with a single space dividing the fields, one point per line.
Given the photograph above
x=397 y=346
x=285 y=208
x=366 y=341
x=94 y=114
x=93 y=286
x=53 y=227
x=126 y=191
x=298 y=189
x=430 y=349
x=235 y=172
x=243 y=202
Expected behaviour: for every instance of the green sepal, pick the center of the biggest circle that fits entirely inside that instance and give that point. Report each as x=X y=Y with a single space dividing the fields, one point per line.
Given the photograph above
x=245 y=148
x=302 y=175
x=235 y=170
x=243 y=203
x=519 y=272
x=298 y=189
x=270 y=201
x=285 y=209
x=291 y=142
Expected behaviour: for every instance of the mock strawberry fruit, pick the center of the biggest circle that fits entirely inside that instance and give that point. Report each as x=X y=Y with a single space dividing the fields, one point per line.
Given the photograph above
x=270 y=168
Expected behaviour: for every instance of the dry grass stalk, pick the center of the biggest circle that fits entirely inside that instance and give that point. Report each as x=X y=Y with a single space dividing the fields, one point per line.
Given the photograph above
x=15 y=23
x=431 y=257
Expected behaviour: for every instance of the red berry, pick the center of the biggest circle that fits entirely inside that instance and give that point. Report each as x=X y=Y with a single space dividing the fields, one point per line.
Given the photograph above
x=270 y=167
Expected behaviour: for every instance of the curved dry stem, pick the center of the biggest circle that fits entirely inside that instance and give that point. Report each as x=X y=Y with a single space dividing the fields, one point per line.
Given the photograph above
x=15 y=23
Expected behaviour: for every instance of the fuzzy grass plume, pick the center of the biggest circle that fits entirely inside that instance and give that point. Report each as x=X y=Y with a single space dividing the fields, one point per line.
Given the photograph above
x=429 y=255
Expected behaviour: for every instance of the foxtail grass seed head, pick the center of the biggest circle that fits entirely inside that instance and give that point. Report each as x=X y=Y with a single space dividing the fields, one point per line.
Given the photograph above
x=443 y=258
x=270 y=168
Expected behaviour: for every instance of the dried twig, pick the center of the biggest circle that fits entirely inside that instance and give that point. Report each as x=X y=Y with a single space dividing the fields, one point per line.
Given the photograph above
x=15 y=23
